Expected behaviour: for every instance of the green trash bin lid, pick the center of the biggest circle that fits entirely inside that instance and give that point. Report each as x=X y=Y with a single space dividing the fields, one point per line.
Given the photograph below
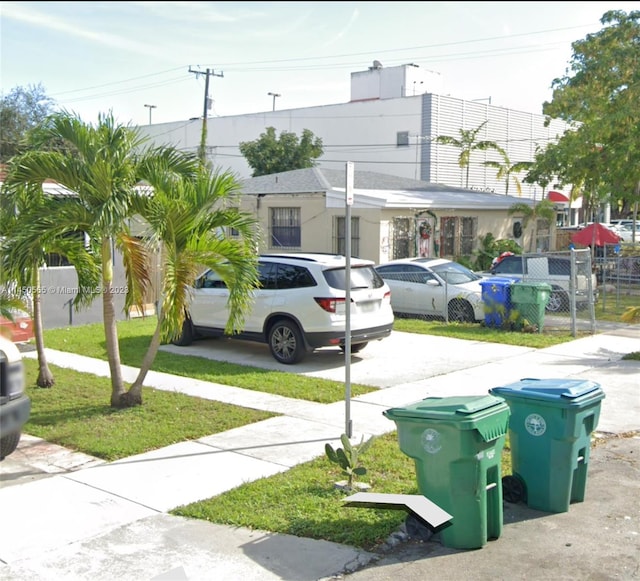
x=561 y=391
x=487 y=414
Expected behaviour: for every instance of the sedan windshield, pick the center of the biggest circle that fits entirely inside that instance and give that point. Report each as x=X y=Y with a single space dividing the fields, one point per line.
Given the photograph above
x=454 y=273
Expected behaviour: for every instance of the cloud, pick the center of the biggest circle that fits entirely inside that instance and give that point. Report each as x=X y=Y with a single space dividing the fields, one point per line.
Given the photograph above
x=354 y=16
x=24 y=13
x=197 y=12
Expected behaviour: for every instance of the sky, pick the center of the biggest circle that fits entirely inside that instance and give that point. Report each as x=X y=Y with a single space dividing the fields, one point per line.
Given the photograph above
x=146 y=61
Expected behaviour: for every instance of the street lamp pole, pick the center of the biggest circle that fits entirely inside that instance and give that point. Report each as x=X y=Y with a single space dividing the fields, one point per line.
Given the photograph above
x=274 y=95
x=151 y=107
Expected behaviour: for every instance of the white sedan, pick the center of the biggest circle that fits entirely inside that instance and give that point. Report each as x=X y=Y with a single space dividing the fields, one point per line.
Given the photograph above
x=625 y=231
x=434 y=288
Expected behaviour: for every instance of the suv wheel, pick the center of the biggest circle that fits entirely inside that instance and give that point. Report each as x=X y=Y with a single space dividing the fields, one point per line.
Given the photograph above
x=558 y=301
x=186 y=335
x=286 y=343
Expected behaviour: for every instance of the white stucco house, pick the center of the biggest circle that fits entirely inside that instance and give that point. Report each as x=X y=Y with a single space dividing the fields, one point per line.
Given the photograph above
x=391 y=216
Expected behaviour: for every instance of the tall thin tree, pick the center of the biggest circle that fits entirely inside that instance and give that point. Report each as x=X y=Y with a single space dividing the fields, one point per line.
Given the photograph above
x=508 y=171
x=189 y=224
x=102 y=164
x=26 y=217
x=467 y=143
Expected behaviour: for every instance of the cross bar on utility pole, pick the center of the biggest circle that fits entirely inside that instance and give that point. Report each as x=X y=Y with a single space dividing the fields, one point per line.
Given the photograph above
x=207 y=105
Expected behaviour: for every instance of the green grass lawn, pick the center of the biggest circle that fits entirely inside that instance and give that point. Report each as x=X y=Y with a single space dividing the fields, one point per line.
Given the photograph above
x=476 y=332
x=135 y=335
x=75 y=413
x=302 y=501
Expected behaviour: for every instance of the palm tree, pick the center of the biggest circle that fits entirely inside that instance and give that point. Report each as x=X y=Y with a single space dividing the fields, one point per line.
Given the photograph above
x=187 y=221
x=507 y=170
x=467 y=145
x=102 y=164
x=543 y=210
x=25 y=245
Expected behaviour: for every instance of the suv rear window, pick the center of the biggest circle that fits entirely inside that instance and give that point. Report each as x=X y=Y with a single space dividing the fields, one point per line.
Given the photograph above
x=284 y=276
x=361 y=277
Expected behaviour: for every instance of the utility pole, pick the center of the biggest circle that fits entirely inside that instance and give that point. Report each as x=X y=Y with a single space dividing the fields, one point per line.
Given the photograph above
x=202 y=153
x=274 y=95
x=150 y=108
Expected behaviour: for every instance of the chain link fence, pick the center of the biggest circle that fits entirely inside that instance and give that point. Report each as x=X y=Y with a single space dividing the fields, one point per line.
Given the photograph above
x=618 y=275
x=556 y=292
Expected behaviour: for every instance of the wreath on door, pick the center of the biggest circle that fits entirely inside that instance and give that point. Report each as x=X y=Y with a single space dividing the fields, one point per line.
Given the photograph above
x=424 y=230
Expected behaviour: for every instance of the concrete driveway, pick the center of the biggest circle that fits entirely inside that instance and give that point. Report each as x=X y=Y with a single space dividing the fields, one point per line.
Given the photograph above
x=397 y=359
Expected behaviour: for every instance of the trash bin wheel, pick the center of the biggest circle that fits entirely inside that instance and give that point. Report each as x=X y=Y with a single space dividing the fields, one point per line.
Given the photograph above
x=513 y=489
x=416 y=529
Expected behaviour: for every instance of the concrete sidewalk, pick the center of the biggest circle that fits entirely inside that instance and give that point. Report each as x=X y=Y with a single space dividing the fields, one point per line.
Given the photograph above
x=69 y=516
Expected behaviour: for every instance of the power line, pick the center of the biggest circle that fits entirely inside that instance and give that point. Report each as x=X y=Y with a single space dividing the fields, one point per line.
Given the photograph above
x=320 y=66
x=420 y=47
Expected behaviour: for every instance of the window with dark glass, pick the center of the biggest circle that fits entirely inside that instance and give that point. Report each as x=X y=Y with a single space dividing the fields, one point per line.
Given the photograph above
x=402 y=138
x=340 y=246
x=290 y=276
x=285 y=231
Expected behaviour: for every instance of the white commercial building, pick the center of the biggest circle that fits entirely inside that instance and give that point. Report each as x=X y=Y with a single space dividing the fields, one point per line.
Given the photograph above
x=389 y=126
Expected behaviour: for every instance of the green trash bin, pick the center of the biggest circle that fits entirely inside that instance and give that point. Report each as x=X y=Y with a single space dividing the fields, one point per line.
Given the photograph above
x=531 y=300
x=549 y=434
x=456 y=443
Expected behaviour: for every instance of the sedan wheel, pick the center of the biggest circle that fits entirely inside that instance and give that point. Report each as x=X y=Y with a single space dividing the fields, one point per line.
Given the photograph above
x=460 y=312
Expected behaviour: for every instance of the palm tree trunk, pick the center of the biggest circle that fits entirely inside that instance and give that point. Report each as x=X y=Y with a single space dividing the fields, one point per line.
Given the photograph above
x=134 y=395
x=110 y=328
x=45 y=377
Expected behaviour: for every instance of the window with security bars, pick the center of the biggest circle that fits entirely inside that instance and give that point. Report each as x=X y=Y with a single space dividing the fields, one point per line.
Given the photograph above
x=284 y=228
x=458 y=236
x=468 y=229
x=340 y=236
x=402 y=238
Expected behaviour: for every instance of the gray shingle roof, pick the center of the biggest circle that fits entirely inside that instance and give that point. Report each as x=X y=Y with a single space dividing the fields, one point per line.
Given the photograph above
x=381 y=190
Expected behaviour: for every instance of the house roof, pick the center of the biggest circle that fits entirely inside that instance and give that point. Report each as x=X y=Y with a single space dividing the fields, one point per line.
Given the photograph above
x=376 y=190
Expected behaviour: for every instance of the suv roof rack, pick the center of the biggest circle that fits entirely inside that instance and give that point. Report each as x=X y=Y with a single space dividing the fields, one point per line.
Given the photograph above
x=308 y=256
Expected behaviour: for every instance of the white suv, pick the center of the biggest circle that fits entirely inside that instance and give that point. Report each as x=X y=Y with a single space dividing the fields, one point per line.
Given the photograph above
x=299 y=306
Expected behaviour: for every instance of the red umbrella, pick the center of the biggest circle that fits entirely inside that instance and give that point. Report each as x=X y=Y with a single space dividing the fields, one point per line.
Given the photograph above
x=595 y=234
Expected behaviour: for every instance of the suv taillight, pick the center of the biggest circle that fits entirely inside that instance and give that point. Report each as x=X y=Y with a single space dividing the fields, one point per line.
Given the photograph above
x=329 y=304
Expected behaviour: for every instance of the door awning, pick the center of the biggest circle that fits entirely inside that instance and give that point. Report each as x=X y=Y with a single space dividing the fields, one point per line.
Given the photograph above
x=558 y=197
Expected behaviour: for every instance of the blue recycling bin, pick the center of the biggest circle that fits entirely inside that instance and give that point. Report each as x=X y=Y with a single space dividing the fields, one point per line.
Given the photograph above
x=550 y=430
x=496 y=297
